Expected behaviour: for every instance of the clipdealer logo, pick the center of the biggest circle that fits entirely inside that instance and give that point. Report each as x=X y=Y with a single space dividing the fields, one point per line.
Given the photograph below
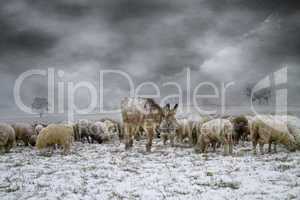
x=277 y=85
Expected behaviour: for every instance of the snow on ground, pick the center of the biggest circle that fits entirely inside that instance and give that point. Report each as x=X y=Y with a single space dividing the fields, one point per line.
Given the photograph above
x=108 y=172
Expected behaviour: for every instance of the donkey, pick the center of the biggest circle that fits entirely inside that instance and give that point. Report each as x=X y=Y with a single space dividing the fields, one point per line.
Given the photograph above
x=169 y=124
x=146 y=113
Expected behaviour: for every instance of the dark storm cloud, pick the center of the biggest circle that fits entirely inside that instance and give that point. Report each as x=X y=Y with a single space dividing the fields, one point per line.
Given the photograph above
x=114 y=10
x=21 y=46
x=63 y=8
x=29 y=41
x=220 y=40
x=16 y=36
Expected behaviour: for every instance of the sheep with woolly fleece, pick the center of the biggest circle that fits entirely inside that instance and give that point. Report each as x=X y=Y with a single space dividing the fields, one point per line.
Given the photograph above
x=250 y=120
x=32 y=140
x=7 y=137
x=293 y=123
x=295 y=131
x=110 y=130
x=196 y=132
x=267 y=129
x=83 y=130
x=38 y=128
x=241 y=129
x=216 y=131
x=185 y=131
x=73 y=126
x=96 y=132
x=24 y=132
x=56 y=134
x=114 y=126
x=189 y=130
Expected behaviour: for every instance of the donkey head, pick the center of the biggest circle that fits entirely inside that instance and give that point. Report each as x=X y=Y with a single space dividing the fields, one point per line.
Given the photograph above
x=169 y=117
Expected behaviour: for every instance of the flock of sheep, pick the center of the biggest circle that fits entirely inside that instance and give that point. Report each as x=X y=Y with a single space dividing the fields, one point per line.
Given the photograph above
x=60 y=135
x=144 y=118
x=207 y=132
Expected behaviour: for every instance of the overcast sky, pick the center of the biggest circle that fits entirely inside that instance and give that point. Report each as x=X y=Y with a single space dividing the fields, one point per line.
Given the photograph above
x=151 y=40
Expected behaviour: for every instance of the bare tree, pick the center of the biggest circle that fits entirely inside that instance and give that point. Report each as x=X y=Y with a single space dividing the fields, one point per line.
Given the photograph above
x=248 y=90
x=40 y=105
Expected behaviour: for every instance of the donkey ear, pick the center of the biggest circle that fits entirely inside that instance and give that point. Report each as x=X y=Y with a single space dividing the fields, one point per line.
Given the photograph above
x=175 y=107
x=166 y=109
x=168 y=106
x=147 y=108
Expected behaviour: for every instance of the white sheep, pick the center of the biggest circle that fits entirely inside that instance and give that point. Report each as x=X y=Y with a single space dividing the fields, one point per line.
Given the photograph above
x=216 y=131
x=110 y=130
x=267 y=129
x=185 y=131
x=38 y=128
x=83 y=130
x=25 y=132
x=7 y=137
x=96 y=132
x=56 y=134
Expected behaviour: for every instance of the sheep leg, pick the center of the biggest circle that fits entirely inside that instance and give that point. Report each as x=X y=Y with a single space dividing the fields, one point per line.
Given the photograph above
x=127 y=136
x=213 y=144
x=226 y=147
x=177 y=136
x=8 y=147
x=230 y=148
x=66 y=148
x=127 y=146
x=204 y=148
x=80 y=135
x=150 y=138
x=157 y=132
x=254 y=144
x=236 y=139
x=88 y=139
x=195 y=136
x=270 y=146
x=137 y=135
x=172 y=137
x=82 y=138
x=131 y=135
x=198 y=146
x=51 y=149
x=243 y=139
x=275 y=148
x=133 y=131
x=191 y=142
x=182 y=136
x=165 y=138
x=261 y=148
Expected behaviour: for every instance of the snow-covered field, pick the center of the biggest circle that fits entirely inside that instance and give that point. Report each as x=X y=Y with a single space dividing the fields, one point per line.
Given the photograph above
x=108 y=172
